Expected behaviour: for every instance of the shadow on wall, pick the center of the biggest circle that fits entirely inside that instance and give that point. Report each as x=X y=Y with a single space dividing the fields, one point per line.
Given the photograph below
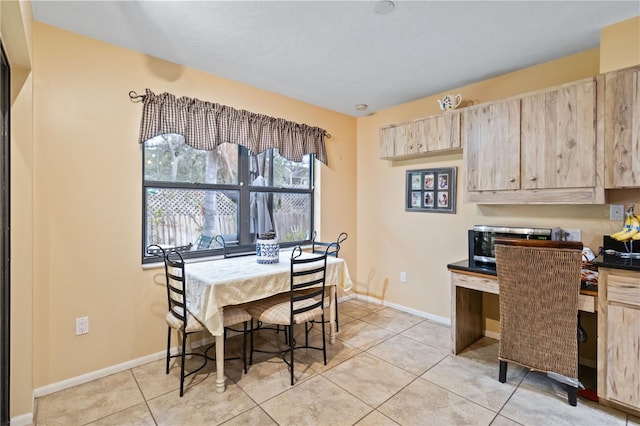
x=365 y=289
x=167 y=71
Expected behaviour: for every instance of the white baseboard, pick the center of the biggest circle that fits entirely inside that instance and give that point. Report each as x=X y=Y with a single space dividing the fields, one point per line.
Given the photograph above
x=21 y=420
x=27 y=419
x=492 y=334
x=97 y=374
x=431 y=317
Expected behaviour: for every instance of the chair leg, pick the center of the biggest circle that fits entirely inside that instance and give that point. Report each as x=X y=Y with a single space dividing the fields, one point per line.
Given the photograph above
x=336 y=303
x=324 y=342
x=502 y=377
x=168 y=348
x=244 y=346
x=251 y=344
x=291 y=345
x=572 y=395
x=184 y=343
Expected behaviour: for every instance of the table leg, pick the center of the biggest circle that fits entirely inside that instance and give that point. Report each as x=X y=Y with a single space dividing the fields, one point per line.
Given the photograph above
x=220 y=364
x=332 y=313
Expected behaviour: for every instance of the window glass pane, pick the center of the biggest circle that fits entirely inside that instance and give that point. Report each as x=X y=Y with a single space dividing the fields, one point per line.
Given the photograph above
x=178 y=217
x=168 y=158
x=287 y=214
x=270 y=169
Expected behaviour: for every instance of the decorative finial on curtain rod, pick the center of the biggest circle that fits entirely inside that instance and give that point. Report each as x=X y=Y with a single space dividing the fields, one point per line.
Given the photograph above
x=135 y=97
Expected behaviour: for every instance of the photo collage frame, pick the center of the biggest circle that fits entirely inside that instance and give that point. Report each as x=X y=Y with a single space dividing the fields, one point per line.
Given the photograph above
x=431 y=190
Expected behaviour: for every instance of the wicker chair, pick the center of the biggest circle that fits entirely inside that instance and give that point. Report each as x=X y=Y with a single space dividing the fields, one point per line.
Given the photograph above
x=539 y=287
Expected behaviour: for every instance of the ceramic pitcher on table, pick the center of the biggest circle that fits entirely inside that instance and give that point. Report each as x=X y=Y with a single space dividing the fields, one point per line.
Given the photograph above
x=449 y=102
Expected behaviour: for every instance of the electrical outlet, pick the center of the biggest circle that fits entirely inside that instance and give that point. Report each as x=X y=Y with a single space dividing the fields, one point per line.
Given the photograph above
x=82 y=325
x=403 y=277
x=573 y=234
x=616 y=212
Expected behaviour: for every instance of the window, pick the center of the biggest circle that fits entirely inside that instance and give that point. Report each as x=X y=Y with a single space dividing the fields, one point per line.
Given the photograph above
x=191 y=196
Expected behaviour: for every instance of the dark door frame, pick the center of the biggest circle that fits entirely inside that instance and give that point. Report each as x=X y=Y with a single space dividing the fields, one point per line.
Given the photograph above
x=5 y=234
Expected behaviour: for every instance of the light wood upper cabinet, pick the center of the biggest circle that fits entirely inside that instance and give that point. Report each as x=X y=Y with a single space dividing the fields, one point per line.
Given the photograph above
x=396 y=141
x=491 y=141
x=558 y=137
x=404 y=142
x=541 y=147
x=622 y=128
x=437 y=133
x=420 y=137
x=387 y=142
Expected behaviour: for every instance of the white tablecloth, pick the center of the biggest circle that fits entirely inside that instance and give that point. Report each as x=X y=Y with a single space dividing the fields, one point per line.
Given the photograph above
x=212 y=285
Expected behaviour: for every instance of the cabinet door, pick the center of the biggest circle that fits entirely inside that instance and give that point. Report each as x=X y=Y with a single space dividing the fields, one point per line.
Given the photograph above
x=623 y=355
x=491 y=146
x=622 y=128
x=404 y=140
x=558 y=137
x=387 y=142
x=397 y=141
x=437 y=133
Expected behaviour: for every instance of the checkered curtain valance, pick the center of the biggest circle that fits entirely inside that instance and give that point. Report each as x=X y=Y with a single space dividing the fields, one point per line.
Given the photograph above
x=206 y=125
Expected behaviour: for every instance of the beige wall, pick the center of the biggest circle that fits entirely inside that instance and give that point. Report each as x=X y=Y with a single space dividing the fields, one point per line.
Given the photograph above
x=620 y=45
x=87 y=201
x=15 y=32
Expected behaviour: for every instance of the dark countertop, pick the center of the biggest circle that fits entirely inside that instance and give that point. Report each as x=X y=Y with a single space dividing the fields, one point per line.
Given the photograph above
x=478 y=267
x=616 y=262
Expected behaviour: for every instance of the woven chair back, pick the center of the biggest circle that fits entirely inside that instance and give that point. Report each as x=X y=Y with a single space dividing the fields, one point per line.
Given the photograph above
x=539 y=289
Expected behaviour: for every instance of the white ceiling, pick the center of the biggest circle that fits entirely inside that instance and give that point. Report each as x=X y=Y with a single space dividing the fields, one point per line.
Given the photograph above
x=341 y=53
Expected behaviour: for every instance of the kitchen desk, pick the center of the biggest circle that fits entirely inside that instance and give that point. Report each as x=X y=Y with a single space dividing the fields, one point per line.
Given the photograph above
x=468 y=282
x=215 y=284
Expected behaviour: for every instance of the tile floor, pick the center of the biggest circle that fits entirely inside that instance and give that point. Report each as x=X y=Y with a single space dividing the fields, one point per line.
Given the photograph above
x=386 y=368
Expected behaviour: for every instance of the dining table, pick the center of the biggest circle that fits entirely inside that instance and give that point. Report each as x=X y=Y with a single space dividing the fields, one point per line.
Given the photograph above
x=214 y=284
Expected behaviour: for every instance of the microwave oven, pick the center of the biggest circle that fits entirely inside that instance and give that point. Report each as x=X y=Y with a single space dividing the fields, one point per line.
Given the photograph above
x=482 y=238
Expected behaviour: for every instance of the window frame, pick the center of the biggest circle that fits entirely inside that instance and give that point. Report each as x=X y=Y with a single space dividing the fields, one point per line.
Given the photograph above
x=244 y=190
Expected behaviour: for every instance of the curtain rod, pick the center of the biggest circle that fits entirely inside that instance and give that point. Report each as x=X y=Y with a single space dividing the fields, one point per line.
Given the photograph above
x=140 y=98
x=135 y=97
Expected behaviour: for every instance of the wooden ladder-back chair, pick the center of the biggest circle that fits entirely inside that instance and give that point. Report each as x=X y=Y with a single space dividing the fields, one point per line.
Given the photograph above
x=320 y=247
x=539 y=287
x=303 y=304
x=180 y=319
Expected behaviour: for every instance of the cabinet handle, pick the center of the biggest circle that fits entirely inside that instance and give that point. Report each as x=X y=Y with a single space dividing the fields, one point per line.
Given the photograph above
x=410 y=148
x=533 y=178
x=622 y=167
x=420 y=146
x=512 y=180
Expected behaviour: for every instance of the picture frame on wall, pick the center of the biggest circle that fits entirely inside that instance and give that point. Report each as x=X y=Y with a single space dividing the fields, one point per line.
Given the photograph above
x=431 y=190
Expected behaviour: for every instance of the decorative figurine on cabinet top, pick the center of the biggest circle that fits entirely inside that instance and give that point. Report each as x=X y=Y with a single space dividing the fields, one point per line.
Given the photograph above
x=449 y=102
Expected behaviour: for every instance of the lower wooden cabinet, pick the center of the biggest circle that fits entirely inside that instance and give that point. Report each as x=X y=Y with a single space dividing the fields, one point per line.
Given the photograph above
x=619 y=338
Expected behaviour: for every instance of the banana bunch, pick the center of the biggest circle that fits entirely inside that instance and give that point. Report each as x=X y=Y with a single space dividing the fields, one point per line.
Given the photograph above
x=631 y=228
